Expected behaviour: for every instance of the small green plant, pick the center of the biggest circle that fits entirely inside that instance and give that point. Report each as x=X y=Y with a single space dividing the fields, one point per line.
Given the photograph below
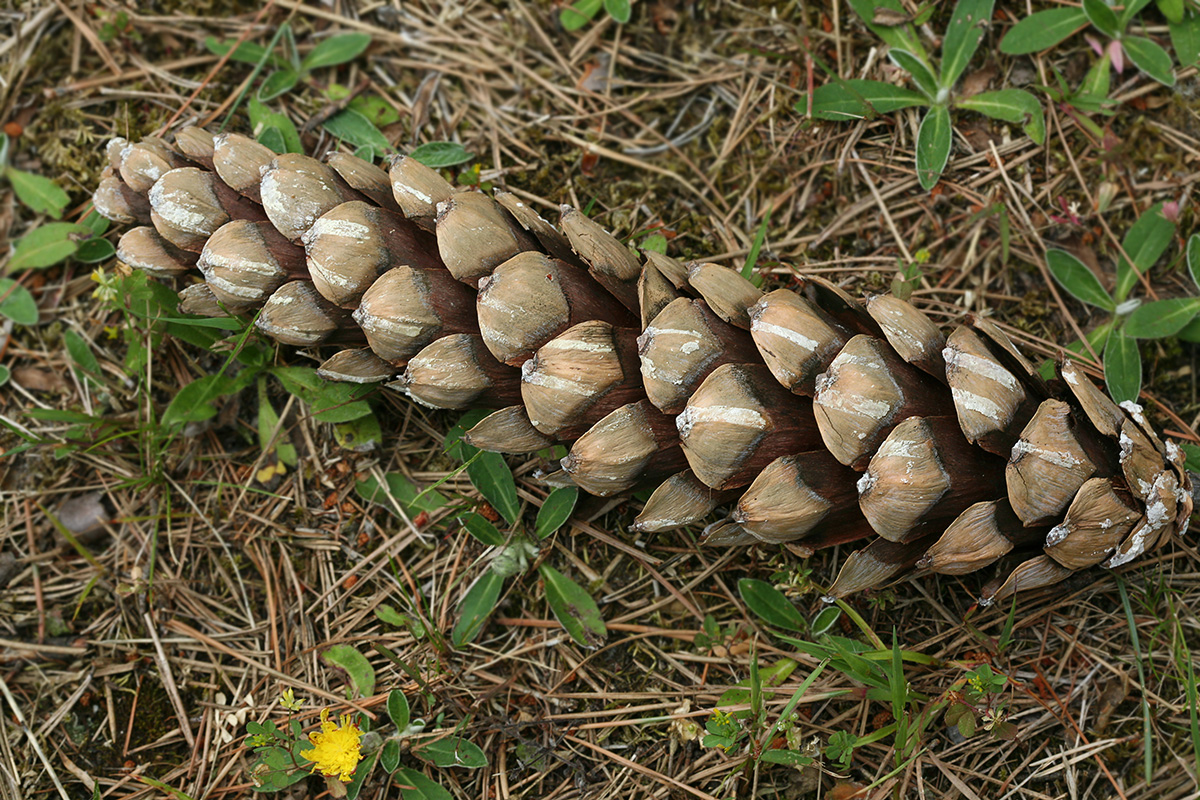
x=1045 y=29
x=908 y=275
x=980 y=705
x=859 y=98
x=513 y=552
x=581 y=12
x=1132 y=319
x=346 y=752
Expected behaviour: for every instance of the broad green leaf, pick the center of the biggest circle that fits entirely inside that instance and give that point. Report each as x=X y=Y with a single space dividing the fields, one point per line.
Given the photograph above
x=825 y=619
x=1161 y=318
x=656 y=243
x=555 y=511
x=483 y=531
x=477 y=606
x=1103 y=17
x=1171 y=9
x=855 y=99
x=1150 y=59
x=1074 y=276
x=268 y=422
x=452 y=751
x=933 y=146
x=1093 y=92
x=351 y=126
x=417 y=787
x=356 y=665
x=399 y=489
x=80 y=352
x=398 y=710
x=1011 y=105
x=17 y=303
x=619 y=10
x=922 y=76
x=327 y=400
x=389 y=756
x=364 y=768
x=574 y=608
x=47 y=245
x=42 y=195
x=389 y=614
x=1193 y=258
x=1185 y=39
x=493 y=479
x=770 y=604
x=194 y=402
x=94 y=250
x=1122 y=368
x=437 y=155
x=361 y=435
x=277 y=83
x=1145 y=243
x=1132 y=7
x=579 y=14
x=5 y=374
x=903 y=36
x=95 y=223
x=262 y=120
x=1042 y=30
x=965 y=31
x=340 y=49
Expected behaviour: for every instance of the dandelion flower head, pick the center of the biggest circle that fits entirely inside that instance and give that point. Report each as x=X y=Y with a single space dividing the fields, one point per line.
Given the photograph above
x=335 y=751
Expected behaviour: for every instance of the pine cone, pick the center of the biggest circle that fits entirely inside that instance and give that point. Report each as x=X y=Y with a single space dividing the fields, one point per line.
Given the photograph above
x=822 y=419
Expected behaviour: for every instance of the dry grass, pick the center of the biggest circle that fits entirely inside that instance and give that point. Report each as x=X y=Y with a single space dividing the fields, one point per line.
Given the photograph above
x=137 y=655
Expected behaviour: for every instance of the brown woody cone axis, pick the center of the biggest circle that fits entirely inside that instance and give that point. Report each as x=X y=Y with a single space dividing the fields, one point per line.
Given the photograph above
x=840 y=418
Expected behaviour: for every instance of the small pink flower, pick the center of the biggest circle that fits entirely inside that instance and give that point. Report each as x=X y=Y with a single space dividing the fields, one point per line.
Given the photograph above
x=1170 y=211
x=1117 y=56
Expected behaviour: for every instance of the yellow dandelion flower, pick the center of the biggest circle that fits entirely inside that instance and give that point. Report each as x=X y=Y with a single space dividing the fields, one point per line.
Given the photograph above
x=335 y=751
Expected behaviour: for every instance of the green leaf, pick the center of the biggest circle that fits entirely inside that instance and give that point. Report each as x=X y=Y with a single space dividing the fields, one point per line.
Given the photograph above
x=1042 y=30
x=389 y=756
x=1171 y=9
x=327 y=400
x=1145 y=242
x=195 y=402
x=47 y=245
x=5 y=374
x=922 y=76
x=418 y=787
x=903 y=36
x=1079 y=281
x=277 y=83
x=963 y=36
x=1150 y=59
x=619 y=10
x=1185 y=39
x=356 y=665
x=437 y=155
x=1122 y=368
x=398 y=710
x=246 y=52
x=933 y=146
x=79 y=350
x=792 y=758
x=399 y=489
x=825 y=619
x=94 y=250
x=1193 y=258
x=574 y=608
x=483 y=531
x=770 y=604
x=17 y=303
x=477 y=606
x=1161 y=318
x=493 y=479
x=95 y=223
x=268 y=422
x=361 y=435
x=1011 y=105
x=1103 y=17
x=555 y=511
x=41 y=195
x=364 y=768
x=351 y=126
x=855 y=99
x=340 y=49
x=452 y=751
x=1132 y=7
x=579 y=14
x=262 y=120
